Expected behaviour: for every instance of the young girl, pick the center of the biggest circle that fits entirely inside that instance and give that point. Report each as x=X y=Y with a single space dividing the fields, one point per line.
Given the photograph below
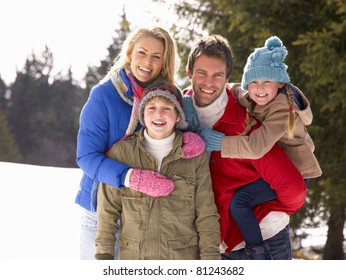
x=147 y=55
x=284 y=113
x=183 y=225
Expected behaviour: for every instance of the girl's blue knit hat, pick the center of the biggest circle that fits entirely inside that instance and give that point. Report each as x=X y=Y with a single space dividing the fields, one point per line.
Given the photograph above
x=266 y=63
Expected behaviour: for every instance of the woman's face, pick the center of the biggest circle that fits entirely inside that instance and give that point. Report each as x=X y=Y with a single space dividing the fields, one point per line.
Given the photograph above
x=147 y=59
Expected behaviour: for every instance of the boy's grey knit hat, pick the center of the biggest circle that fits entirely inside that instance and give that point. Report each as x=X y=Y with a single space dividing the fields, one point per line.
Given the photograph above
x=170 y=92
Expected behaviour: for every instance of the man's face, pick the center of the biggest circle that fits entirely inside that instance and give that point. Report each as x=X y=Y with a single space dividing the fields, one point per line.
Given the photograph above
x=208 y=79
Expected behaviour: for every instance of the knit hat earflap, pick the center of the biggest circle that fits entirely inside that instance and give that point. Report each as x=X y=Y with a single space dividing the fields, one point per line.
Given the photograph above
x=170 y=92
x=266 y=63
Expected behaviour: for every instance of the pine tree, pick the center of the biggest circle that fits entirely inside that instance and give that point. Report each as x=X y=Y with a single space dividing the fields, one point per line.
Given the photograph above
x=3 y=93
x=8 y=149
x=96 y=73
x=44 y=111
x=29 y=95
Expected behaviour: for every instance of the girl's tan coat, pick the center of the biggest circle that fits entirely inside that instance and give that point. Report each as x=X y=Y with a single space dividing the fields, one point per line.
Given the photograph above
x=274 y=118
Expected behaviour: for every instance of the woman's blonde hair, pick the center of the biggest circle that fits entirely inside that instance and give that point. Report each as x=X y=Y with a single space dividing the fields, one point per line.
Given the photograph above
x=170 y=57
x=251 y=121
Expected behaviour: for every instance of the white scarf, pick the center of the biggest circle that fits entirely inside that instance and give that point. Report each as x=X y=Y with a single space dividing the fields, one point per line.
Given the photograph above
x=210 y=114
x=158 y=148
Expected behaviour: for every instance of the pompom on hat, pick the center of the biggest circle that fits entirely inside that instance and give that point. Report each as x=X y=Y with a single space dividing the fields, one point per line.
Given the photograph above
x=266 y=63
x=170 y=92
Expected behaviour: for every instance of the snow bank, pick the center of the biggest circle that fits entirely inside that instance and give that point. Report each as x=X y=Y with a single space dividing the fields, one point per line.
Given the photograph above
x=39 y=217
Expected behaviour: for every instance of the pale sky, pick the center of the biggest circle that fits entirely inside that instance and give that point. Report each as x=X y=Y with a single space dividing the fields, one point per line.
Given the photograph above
x=77 y=32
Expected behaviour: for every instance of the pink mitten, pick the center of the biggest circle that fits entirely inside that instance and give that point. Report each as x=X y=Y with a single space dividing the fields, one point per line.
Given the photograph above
x=193 y=145
x=151 y=183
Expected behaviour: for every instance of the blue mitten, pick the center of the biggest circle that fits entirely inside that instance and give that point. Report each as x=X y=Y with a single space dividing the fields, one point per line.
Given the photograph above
x=212 y=138
x=190 y=114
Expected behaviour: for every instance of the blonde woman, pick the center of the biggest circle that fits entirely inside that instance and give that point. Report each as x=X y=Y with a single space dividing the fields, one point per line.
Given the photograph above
x=147 y=55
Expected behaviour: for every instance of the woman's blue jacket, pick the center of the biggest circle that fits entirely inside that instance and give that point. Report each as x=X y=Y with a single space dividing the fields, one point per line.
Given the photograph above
x=103 y=121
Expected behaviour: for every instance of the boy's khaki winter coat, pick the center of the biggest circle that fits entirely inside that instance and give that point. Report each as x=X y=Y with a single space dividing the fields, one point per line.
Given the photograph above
x=274 y=119
x=183 y=225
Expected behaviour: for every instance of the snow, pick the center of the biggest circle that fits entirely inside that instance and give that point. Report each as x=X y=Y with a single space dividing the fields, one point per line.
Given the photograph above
x=39 y=217
x=39 y=234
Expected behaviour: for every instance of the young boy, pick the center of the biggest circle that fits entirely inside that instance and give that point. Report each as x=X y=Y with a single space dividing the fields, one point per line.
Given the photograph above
x=182 y=225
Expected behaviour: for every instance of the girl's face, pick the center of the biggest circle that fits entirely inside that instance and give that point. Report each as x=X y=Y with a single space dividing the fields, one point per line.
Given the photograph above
x=160 y=117
x=263 y=91
x=147 y=59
